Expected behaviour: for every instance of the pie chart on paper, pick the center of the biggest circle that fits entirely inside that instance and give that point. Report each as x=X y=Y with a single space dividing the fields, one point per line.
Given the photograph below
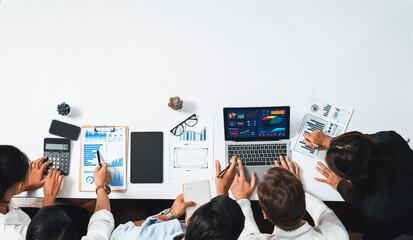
x=272 y=120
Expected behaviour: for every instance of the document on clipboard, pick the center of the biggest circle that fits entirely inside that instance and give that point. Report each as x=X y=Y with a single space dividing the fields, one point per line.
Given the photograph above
x=112 y=145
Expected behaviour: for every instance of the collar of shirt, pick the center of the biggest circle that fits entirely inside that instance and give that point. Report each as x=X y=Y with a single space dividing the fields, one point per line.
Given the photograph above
x=14 y=217
x=294 y=233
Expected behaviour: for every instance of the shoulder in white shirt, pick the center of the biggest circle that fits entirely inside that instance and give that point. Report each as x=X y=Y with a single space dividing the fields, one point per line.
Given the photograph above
x=101 y=225
x=327 y=224
x=13 y=225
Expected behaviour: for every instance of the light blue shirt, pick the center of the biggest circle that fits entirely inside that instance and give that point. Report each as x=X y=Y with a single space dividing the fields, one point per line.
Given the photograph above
x=151 y=229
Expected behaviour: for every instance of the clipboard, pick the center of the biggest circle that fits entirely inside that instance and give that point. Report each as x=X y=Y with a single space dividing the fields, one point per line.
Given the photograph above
x=112 y=143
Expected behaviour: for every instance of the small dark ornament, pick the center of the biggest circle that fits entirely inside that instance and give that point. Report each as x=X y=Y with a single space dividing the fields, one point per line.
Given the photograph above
x=175 y=103
x=63 y=109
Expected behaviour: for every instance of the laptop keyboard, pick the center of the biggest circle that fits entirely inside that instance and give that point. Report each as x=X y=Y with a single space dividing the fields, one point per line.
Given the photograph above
x=258 y=154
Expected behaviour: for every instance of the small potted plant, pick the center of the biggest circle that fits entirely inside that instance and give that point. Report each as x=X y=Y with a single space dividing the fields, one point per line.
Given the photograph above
x=175 y=103
x=63 y=109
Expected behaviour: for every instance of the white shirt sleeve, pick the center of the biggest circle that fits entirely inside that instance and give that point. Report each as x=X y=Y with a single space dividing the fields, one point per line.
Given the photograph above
x=100 y=227
x=251 y=230
x=326 y=222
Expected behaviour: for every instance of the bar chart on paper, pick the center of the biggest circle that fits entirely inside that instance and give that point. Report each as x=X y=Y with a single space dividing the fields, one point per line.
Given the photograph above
x=193 y=136
x=89 y=154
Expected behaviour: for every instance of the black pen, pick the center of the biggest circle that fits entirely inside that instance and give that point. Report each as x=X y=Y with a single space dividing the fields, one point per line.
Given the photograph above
x=98 y=153
x=225 y=170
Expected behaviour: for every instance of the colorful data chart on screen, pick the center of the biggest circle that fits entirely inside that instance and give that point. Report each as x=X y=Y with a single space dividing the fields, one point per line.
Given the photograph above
x=271 y=132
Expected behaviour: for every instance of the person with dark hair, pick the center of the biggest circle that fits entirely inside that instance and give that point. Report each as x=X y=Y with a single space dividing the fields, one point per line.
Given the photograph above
x=18 y=174
x=221 y=218
x=284 y=202
x=374 y=174
x=53 y=223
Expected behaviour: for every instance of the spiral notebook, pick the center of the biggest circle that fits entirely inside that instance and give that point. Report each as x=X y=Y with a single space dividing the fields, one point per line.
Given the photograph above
x=199 y=192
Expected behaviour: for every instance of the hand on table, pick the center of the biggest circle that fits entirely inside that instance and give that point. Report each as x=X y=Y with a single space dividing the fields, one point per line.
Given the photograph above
x=331 y=178
x=286 y=163
x=102 y=175
x=51 y=186
x=36 y=174
x=317 y=137
x=224 y=183
x=179 y=206
x=240 y=187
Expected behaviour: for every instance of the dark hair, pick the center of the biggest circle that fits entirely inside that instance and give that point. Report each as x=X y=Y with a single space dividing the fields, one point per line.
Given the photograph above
x=51 y=223
x=14 y=166
x=356 y=157
x=220 y=219
x=281 y=197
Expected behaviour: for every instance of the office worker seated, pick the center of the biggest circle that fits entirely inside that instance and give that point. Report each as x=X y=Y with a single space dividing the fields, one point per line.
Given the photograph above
x=283 y=202
x=374 y=174
x=52 y=222
x=18 y=174
x=221 y=218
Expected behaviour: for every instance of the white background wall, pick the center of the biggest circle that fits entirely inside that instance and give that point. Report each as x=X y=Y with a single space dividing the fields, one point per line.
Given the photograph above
x=118 y=62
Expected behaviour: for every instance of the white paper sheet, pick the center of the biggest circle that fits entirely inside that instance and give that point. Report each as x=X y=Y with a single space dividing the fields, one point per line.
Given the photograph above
x=191 y=154
x=325 y=115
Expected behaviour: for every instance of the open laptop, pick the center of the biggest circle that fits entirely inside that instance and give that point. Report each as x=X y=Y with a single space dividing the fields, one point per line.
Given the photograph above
x=258 y=136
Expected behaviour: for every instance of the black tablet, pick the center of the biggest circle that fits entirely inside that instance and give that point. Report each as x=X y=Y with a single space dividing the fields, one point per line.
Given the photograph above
x=146 y=157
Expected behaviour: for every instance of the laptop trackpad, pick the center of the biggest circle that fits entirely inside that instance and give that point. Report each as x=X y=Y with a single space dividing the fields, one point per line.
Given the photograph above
x=259 y=172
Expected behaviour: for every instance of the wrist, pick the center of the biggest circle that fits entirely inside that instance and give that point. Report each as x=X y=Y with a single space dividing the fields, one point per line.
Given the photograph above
x=327 y=142
x=169 y=214
x=103 y=187
x=162 y=217
x=48 y=200
x=101 y=191
x=237 y=198
x=97 y=184
x=30 y=186
x=222 y=192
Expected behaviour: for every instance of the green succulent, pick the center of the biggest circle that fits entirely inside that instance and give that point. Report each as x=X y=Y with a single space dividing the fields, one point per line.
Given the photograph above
x=63 y=109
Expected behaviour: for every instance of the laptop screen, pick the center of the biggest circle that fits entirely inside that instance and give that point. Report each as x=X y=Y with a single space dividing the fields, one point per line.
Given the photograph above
x=261 y=123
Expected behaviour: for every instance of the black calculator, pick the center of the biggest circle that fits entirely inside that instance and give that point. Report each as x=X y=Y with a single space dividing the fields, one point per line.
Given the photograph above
x=57 y=150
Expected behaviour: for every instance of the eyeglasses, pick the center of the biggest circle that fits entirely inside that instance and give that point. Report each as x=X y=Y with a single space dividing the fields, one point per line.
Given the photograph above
x=180 y=128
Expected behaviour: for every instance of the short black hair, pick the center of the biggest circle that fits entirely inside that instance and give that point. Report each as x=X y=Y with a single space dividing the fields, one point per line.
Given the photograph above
x=14 y=168
x=51 y=223
x=221 y=218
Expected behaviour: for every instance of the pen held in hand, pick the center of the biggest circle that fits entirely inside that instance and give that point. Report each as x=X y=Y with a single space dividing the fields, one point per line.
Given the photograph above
x=221 y=174
x=315 y=145
x=99 y=161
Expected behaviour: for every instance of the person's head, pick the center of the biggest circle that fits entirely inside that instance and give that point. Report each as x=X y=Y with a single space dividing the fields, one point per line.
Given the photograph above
x=349 y=154
x=356 y=157
x=281 y=197
x=221 y=218
x=14 y=169
x=51 y=223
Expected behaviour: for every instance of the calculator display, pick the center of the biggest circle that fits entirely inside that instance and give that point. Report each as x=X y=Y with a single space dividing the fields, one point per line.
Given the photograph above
x=53 y=146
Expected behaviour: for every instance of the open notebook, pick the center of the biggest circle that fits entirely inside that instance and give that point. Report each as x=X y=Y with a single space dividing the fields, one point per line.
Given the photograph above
x=199 y=192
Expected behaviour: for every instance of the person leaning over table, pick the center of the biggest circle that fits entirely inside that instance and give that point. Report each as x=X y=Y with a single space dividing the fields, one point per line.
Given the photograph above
x=18 y=174
x=53 y=223
x=374 y=174
x=221 y=218
x=283 y=202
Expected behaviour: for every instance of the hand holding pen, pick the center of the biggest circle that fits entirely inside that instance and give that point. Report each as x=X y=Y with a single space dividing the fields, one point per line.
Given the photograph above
x=223 y=183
